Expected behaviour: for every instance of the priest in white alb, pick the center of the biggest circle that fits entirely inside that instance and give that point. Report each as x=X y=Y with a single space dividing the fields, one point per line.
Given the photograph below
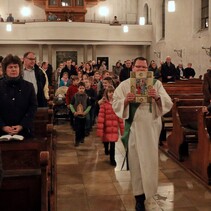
x=142 y=130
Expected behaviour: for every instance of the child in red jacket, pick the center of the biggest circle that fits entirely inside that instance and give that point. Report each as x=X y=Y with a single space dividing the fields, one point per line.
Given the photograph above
x=108 y=124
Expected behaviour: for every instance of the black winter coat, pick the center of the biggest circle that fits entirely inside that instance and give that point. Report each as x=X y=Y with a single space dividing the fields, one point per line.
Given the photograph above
x=40 y=78
x=18 y=104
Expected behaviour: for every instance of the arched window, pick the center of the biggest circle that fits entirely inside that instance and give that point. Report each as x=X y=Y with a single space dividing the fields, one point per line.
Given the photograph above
x=204 y=14
x=163 y=19
x=146 y=14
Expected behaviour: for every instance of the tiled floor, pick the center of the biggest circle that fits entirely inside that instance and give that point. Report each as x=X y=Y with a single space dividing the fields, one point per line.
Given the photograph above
x=87 y=182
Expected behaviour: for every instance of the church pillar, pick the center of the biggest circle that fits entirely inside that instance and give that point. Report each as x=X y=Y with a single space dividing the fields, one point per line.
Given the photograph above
x=40 y=53
x=94 y=52
x=147 y=52
x=85 y=53
x=50 y=54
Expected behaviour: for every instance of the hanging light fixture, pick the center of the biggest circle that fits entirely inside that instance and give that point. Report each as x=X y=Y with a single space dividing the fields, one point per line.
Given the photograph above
x=171 y=6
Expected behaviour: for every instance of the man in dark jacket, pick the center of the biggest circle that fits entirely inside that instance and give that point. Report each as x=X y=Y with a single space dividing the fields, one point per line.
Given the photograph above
x=168 y=71
x=125 y=72
x=33 y=74
x=189 y=71
x=1 y=170
x=69 y=68
x=207 y=88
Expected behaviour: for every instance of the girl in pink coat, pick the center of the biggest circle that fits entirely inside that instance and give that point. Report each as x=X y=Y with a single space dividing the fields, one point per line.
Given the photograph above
x=108 y=124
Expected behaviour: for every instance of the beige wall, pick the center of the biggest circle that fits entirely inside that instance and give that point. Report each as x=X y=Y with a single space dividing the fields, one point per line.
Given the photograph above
x=114 y=52
x=110 y=41
x=14 y=7
x=182 y=32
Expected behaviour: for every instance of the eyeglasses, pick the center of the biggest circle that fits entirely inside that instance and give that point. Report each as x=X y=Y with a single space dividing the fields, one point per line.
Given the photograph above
x=143 y=67
x=32 y=59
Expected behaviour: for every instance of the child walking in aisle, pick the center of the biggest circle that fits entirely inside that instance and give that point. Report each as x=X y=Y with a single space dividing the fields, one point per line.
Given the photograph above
x=80 y=107
x=108 y=125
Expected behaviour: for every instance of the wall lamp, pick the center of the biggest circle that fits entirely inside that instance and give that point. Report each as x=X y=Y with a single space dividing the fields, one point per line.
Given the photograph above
x=9 y=27
x=207 y=50
x=157 y=54
x=171 y=6
x=179 y=52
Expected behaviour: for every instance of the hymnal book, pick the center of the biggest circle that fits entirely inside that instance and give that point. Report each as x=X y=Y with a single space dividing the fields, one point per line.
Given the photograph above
x=140 y=83
x=11 y=137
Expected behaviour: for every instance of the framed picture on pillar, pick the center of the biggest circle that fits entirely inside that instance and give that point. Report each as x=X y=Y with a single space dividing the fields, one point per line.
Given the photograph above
x=62 y=56
x=103 y=59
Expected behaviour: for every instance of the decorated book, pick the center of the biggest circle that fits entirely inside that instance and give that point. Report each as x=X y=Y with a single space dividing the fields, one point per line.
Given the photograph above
x=11 y=137
x=140 y=83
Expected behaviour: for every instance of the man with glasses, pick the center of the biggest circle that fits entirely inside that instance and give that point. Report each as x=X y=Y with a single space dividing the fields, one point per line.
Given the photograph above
x=142 y=129
x=33 y=74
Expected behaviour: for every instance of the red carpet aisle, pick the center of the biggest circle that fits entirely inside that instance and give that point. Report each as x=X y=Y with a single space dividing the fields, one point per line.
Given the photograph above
x=87 y=182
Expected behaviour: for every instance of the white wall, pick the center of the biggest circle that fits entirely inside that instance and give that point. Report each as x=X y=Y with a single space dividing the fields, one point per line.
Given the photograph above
x=182 y=30
x=114 y=53
x=14 y=7
x=125 y=10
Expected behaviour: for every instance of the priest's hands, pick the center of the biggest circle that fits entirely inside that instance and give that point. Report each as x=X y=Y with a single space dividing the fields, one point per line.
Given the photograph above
x=129 y=98
x=153 y=93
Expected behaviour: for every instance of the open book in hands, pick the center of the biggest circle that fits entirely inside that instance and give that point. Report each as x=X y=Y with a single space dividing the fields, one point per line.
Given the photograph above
x=11 y=137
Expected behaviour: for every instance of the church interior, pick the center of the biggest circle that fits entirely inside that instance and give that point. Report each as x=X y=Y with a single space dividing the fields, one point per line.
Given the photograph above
x=70 y=178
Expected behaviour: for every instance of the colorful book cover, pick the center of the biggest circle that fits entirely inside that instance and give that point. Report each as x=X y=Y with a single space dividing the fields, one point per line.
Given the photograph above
x=140 y=83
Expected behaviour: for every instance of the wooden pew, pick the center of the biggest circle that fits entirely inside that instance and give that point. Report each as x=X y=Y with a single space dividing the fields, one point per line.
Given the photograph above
x=184 y=113
x=200 y=158
x=184 y=88
x=43 y=128
x=180 y=89
x=43 y=122
x=24 y=186
x=190 y=81
x=188 y=89
x=167 y=119
x=21 y=161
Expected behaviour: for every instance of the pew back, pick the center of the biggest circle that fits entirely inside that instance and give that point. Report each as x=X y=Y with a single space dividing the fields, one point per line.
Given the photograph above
x=185 y=122
x=200 y=158
x=185 y=89
x=24 y=188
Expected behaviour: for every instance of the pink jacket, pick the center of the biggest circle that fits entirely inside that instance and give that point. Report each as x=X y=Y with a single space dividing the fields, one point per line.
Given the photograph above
x=108 y=123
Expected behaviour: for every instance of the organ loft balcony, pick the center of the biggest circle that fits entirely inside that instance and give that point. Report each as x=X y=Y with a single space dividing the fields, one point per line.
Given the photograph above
x=74 y=10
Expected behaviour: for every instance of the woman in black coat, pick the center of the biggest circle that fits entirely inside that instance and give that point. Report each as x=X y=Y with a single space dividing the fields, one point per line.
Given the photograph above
x=18 y=102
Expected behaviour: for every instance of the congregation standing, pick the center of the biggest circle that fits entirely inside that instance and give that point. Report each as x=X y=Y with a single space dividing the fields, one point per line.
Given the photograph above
x=95 y=95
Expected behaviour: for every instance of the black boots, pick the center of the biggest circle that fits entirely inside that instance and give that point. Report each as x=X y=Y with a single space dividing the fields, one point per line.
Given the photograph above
x=140 y=202
x=112 y=154
x=106 y=144
x=110 y=151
